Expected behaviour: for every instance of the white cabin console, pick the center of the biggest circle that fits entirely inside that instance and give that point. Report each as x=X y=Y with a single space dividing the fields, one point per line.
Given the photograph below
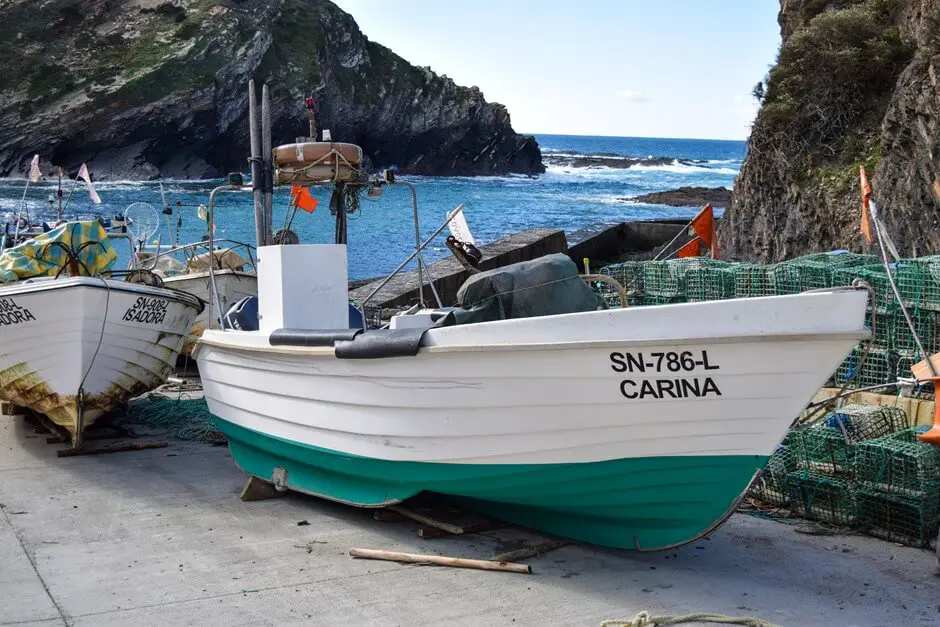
x=303 y=286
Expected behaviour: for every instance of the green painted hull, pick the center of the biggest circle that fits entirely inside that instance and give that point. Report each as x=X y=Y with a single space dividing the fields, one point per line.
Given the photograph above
x=641 y=503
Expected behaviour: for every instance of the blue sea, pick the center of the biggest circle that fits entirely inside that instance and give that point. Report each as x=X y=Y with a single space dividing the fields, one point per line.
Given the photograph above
x=381 y=234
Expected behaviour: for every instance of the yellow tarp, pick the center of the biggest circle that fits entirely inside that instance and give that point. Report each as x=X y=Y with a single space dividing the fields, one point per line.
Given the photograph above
x=81 y=248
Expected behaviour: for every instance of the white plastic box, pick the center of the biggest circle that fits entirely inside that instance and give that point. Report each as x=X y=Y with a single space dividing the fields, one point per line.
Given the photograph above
x=303 y=286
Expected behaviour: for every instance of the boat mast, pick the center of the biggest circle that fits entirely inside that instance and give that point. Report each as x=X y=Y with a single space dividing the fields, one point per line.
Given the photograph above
x=268 y=163
x=58 y=193
x=257 y=184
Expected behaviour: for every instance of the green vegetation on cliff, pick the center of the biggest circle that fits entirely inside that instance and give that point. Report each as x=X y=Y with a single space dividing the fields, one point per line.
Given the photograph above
x=825 y=98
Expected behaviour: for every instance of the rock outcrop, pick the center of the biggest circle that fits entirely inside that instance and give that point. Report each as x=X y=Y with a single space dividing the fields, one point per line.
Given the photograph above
x=617 y=162
x=856 y=82
x=148 y=88
x=719 y=197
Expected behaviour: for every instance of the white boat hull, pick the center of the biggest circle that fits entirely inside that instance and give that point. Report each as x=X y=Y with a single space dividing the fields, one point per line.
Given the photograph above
x=73 y=348
x=706 y=385
x=233 y=285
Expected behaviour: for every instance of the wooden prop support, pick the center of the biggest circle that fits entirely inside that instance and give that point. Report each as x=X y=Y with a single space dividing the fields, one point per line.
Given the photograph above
x=440 y=560
x=426 y=532
x=426 y=520
x=531 y=551
x=259 y=490
x=111 y=448
x=383 y=515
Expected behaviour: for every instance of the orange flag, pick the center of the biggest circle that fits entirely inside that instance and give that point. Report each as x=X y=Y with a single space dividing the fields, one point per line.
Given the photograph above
x=704 y=226
x=692 y=249
x=866 y=195
x=300 y=197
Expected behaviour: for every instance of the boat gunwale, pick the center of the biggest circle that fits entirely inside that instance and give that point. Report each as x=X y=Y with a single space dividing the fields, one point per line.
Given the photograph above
x=101 y=283
x=330 y=351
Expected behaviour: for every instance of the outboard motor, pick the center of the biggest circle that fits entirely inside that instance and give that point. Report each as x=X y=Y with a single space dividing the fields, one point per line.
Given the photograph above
x=243 y=315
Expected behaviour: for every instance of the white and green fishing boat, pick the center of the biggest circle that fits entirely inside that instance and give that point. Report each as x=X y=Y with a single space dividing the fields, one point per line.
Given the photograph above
x=635 y=428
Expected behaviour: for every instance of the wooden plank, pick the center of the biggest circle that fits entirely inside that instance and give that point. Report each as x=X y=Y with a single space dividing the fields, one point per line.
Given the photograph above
x=440 y=560
x=919 y=411
x=111 y=448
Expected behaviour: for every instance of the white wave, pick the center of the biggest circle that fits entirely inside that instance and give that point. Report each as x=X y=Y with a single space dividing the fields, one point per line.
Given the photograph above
x=682 y=168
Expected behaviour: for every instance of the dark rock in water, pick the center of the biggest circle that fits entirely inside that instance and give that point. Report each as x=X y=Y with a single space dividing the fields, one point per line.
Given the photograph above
x=719 y=197
x=605 y=160
x=148 y=89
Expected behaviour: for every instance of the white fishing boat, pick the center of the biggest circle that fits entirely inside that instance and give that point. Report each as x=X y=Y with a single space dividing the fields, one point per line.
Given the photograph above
x=74 y=347
x=186 y=269
x=633 y=428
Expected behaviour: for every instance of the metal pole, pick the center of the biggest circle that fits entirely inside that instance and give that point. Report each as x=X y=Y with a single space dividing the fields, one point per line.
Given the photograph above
x=257 y=182
x=894 y=288
x=213 y=289
x=268 y=166
x=414 y=204
x=59 y=196
x=69 y=197
x=424 y=244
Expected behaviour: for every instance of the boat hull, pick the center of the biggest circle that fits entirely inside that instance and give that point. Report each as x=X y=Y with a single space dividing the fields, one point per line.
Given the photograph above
x=233 y=285
x=72 y=349
x=640 y=431
x=634 y=503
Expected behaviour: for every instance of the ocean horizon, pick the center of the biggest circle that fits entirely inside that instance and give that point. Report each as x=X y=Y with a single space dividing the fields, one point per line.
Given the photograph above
x=567 y=196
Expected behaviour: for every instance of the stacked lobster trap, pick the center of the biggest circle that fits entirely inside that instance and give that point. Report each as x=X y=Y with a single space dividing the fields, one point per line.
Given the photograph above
x=861 y=467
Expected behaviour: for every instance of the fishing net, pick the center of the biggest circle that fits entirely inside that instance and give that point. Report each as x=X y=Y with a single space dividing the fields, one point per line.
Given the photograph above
x=183 y=418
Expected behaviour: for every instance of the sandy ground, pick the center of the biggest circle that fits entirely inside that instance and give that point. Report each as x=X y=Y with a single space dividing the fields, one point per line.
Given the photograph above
x=160 y=537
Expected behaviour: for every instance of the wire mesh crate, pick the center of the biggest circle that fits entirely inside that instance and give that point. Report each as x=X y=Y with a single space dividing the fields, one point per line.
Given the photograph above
x=878 y=367
x=770 y=485
x=821 y=497
x=910 y=520
x=822 y=450
x=899 y=463
x=630 y=275
x=752 y=279
x=858 y=423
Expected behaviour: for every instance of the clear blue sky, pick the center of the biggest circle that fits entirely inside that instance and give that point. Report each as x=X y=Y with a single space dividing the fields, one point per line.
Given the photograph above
x=645 y=68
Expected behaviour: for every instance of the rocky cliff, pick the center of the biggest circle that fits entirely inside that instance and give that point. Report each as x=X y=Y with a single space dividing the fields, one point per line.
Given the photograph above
x=856 y=82
x=148 y=88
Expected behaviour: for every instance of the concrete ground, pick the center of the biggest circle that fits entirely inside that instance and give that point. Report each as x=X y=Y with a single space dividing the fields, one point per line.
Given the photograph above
x=160 y=537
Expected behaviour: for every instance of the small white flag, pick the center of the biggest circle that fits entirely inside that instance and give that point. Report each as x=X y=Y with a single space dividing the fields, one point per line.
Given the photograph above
x=34 y=174
x=83 y=174
x=459 y=227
